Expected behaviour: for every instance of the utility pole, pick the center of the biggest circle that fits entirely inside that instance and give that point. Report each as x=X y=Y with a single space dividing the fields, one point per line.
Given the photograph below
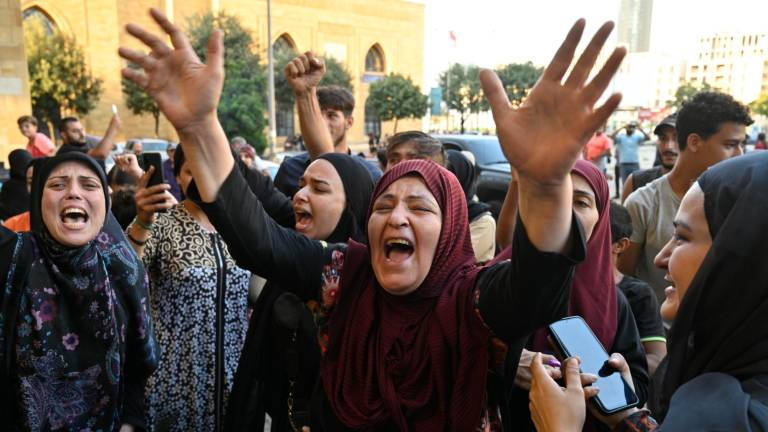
x=271 y=82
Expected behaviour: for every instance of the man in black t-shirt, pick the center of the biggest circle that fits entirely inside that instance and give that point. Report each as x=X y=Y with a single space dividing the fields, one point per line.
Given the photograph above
x=325 y=116
x=74 y=139
x=642 y=300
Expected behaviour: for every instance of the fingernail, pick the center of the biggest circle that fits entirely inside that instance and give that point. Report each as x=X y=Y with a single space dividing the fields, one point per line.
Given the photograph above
x=553 y=362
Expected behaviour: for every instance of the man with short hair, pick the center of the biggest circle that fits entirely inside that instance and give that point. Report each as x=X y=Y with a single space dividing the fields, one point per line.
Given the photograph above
x=710 y=128
x=414 y=145
x=74 y=139
x=668 y=150
x=628 y=148
x=38 y=145
x=325 y=116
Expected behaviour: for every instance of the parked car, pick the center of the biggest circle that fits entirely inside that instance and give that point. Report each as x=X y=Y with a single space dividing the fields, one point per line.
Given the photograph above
x=494 y=172
x=149 y=145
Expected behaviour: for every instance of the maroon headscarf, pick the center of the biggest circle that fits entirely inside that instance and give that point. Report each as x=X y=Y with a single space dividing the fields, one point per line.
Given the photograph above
x=420 y=360
x=593 y=295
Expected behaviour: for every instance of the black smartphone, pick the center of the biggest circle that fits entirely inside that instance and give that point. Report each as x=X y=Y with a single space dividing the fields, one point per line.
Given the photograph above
x=574 y=338
x=147 y=160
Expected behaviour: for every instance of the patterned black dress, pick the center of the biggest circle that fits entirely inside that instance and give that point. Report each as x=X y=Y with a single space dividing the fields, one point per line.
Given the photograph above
x=199 y=300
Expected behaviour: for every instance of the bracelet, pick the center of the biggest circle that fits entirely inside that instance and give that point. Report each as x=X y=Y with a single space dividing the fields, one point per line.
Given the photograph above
x=134 y=241
x=142 y=224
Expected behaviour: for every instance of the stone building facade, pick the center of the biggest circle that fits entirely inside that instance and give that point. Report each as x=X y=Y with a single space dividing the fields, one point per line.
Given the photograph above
x=371 y=37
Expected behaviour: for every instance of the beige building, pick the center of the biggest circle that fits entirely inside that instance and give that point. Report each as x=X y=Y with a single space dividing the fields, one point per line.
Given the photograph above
x=649 y=80
x=735 y=63
x=371 y=37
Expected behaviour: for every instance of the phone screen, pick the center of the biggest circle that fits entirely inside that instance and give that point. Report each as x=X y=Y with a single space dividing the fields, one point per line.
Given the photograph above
x=152 y=159
x=575 y=338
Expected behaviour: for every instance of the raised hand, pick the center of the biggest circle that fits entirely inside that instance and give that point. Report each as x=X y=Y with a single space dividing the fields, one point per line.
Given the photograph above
x=186 y=90
x=543 y=138
x=150 y=200
x=304 y=72
x=556 y=409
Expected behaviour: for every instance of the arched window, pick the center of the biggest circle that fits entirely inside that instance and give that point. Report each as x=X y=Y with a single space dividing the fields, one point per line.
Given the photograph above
x=36 y=17
x=283 y=44
x=374 y=60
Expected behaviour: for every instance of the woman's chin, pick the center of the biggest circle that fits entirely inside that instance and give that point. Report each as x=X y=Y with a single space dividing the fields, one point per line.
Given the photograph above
x=670 y=305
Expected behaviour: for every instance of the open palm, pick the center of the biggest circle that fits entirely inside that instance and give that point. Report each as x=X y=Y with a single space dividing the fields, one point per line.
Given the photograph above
x=186 y=90
x=543 y=138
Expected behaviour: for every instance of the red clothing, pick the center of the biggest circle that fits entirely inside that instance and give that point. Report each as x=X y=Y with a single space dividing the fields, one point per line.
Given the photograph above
x=760 y=145
x=40 y=146
x=596 y=146
x=18 y=223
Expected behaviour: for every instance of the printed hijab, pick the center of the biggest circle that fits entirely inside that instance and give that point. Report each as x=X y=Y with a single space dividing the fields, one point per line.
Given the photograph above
x=84 y=328
x=721 y=323
x=358 y=187
x=593 y=295
x=410 y=361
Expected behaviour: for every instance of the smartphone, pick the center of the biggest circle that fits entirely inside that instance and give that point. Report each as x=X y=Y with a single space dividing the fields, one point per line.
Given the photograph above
x=153 y=159
x=573 y=337
x=114 y=109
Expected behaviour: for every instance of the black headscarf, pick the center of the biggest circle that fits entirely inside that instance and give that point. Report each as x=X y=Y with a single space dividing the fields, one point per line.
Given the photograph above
x=14 y=198
x=358 y=187
x=465 y=171
x=88 y=305
x=722 y=322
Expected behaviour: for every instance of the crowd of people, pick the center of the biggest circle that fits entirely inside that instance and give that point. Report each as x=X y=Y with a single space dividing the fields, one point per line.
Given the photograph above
x=353 y=295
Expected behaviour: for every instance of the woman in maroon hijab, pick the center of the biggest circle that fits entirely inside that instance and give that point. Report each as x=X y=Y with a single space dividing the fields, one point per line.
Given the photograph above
x=594 y=295
x=408 y=318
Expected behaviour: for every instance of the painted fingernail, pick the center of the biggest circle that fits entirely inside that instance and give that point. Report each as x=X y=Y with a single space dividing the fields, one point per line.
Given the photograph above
x=553 y=362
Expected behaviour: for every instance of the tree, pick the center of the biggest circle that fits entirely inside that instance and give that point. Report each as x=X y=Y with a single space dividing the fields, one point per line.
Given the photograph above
x=462 y=92
x=139 y=101
x=686 y=92
x=396 y=97
x=59 y=81
x=760 y=105
x=518 y=79
x=241 y=108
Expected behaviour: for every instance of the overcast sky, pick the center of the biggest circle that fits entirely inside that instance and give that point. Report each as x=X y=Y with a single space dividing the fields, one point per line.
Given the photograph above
x=492 y=32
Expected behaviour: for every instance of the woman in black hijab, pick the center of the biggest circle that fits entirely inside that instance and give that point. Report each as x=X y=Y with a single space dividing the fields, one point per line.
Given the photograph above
x=14 y=198
x=717 y=367
x=280 y=359
x=482 y=226
x=76 y=339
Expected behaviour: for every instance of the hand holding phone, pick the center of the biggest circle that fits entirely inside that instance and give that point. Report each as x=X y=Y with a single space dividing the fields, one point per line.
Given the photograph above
x=152 y=159
x=574 y=338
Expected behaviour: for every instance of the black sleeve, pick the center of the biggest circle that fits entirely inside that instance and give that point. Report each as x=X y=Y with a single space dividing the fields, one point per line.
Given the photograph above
x=258 y=243
x=278 y=206
x=134 y=408
x=645 y=308
x=627 y=343
x=530 y=290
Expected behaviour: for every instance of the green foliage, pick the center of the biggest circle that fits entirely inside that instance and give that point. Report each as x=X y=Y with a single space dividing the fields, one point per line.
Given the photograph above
x=336 y=74
x=686 y=92
x=760 y=105
x=462 y=91
x=396 y=97
x=139 y=101
x=60 y=83
x=243 y=99
x=518 y=79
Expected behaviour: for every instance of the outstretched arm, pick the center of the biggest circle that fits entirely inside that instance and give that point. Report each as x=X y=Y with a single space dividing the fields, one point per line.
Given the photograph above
x=187 y=92
x=107 y=142
x=303 y=74
x=544 y=137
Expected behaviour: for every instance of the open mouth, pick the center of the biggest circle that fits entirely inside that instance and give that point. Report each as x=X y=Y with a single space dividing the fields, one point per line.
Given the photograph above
x=74 y=217
x=398 y=249
x=303 y=219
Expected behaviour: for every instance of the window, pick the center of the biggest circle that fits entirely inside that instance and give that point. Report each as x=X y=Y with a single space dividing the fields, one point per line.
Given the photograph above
x=283 y=44
x=372 y=122
x=35 y=16
x=374 y=60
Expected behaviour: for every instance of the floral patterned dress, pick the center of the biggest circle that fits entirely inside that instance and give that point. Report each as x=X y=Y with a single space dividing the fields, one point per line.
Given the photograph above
x=199 y=300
